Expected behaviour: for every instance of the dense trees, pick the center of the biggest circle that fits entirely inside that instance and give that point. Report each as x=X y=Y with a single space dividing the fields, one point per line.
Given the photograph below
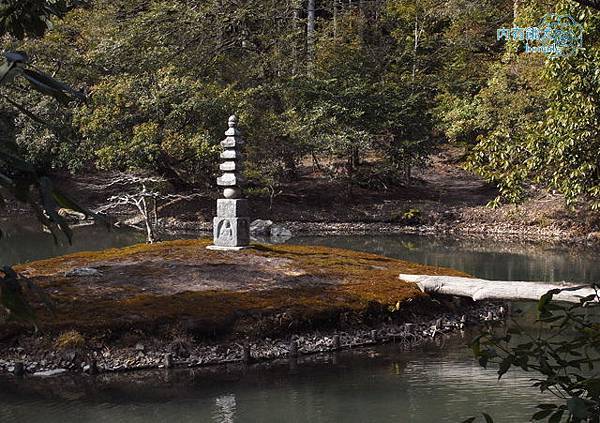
x=163 y=74
x=537 y=119
x=347 y=82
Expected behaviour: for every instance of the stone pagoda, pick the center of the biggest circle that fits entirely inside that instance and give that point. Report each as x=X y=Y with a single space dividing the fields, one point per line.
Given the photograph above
x=231 y=226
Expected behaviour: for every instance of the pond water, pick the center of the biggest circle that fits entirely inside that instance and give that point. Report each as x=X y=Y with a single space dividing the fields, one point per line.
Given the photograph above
x=24 y=241
x=372 y=385
x=486 y=259
x=376 y=385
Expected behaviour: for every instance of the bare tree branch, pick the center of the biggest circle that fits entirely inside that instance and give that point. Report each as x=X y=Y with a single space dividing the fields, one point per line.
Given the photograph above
x=142 y=193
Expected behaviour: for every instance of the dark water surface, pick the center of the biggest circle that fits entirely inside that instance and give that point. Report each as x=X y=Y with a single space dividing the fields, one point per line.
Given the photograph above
x=379 y=385
x=24 y=241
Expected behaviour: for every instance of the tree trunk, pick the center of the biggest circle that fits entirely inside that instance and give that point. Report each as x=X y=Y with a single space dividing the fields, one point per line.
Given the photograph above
x=297 y=40
x=289 y=160
x=143 y=208
x=310 y=33
x=150 y=237
x=335 y=18
x=416 y=44
x=355 y=157
x=482 y=289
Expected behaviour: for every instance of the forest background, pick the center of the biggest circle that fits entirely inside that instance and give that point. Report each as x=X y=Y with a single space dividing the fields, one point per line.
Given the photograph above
x=365 y=90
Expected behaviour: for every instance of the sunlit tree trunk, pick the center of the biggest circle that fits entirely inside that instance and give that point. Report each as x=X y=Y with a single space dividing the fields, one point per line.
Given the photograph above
x=482 y=289
x=335 y=18
x=296 y=5
x=416 y=42
x=310 y=33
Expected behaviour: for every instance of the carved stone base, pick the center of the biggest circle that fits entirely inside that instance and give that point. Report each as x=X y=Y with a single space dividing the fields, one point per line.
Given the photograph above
x=231 y=231
x=232 y=208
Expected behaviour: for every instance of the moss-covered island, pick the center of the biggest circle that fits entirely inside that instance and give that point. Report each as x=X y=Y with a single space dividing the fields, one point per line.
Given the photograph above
x=212 y=292
x=151 y=304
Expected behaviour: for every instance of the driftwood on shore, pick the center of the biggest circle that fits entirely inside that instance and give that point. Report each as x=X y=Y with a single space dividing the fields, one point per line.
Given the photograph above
x=482 y=289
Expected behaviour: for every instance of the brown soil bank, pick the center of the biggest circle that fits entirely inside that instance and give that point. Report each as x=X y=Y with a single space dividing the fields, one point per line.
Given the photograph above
x=154 y=287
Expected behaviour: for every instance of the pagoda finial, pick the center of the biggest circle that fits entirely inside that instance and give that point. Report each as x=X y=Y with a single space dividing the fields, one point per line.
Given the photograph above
x=233 y=120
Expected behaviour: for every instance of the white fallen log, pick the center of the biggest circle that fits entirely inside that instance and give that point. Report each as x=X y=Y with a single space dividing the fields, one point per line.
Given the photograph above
x=483 y=289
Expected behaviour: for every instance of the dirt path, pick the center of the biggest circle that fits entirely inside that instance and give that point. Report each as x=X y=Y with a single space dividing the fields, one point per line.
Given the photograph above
x=452 y=184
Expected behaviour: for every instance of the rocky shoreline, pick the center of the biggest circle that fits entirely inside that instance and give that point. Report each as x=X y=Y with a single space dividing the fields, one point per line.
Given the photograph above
x=154 y=353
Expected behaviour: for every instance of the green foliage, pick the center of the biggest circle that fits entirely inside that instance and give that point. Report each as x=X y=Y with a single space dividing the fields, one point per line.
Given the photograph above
x=356 y=103
x=486 y=418
x=411 y=216
x=19 y=178
x=388 y=82
x=536 y=121
x=12 y=299
x=506 y=110
x=158 y=122
x=164 y=77
x=567 y=141
x=563 y=356
x=21 y=18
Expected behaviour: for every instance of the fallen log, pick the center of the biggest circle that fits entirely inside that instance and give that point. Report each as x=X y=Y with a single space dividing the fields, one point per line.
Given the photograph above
x=483 y=289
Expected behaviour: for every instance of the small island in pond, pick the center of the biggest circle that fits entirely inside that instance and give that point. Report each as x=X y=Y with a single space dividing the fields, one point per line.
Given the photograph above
x=135 y=307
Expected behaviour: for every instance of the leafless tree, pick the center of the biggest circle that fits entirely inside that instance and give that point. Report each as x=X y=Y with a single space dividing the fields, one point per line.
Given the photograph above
x=143 y=194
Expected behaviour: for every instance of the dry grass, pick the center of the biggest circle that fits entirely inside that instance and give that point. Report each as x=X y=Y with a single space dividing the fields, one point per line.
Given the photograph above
x=69 y=340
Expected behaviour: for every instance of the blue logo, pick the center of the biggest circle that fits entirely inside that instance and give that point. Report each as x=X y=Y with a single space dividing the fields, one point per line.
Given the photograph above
x=555 y=36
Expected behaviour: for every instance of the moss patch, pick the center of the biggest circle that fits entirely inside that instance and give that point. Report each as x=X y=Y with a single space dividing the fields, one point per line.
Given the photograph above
x=149 y=286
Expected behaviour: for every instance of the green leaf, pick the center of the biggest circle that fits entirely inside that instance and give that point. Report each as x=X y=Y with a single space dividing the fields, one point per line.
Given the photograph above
x=51 y=208
x=483 y=361
x=556 y=417
x=545 y=300
x=55 y=88
x=546 y=406
x=540 y=415
x=38 y=84
x=505 y=366
x=578 y=408
x=476 y=346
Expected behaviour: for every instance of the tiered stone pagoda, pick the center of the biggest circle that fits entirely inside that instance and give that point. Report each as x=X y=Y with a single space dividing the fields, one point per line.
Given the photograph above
x=232 y=225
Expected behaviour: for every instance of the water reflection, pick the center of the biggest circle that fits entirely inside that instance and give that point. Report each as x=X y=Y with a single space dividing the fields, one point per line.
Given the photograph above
x=24 y=241
x=373 y=385
x=225 y=407
x=485 y=259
